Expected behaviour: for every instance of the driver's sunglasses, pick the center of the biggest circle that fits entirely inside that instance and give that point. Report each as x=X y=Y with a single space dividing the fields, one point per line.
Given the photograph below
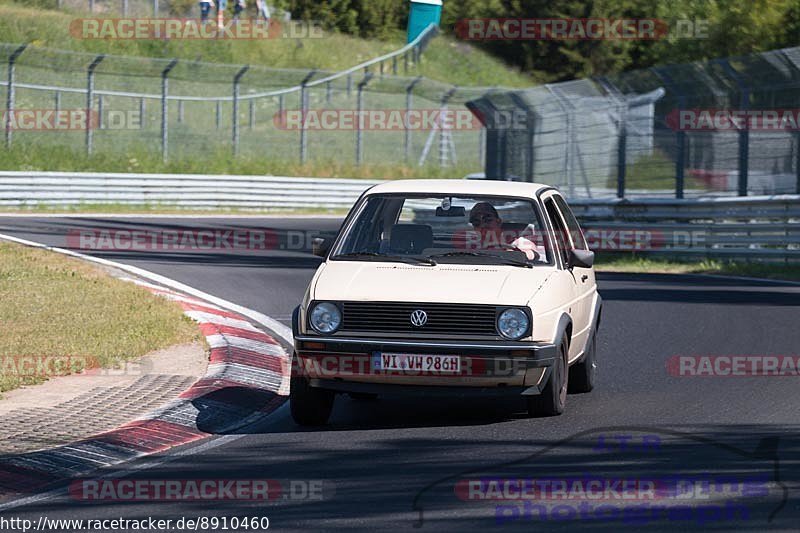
x=482 y=219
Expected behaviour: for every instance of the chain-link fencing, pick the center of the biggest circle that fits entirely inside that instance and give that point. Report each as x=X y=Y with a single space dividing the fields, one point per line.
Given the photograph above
x=187 y=109
x=724 y=127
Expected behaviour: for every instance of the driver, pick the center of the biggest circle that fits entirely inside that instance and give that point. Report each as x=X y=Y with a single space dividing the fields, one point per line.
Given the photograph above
x=489 y=226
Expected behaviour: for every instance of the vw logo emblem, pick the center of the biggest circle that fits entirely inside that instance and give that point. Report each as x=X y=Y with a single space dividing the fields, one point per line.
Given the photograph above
x=419 y=318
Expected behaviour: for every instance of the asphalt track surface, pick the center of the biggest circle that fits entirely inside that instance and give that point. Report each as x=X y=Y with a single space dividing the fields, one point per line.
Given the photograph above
x=395 y=463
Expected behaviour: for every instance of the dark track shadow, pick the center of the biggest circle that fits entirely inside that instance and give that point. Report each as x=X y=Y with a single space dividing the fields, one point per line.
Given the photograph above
x=406 y=482
x=719 y=297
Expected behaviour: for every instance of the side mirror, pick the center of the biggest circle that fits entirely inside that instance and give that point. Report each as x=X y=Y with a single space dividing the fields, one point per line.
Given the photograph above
x=320 y=246
x=581 y=258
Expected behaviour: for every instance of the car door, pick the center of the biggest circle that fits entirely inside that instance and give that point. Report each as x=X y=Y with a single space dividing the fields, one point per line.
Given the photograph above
x=583 y=278
x=561 y=244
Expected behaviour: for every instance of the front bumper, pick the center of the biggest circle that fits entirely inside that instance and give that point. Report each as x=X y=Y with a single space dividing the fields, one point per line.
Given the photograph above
x=487 y=367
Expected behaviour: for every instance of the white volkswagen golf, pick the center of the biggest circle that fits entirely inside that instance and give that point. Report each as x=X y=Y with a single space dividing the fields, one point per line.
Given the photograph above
x=446 y=287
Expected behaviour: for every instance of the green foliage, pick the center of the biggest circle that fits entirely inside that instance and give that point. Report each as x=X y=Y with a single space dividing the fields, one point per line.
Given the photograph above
x=365 y=18
x=446 y=59
x=734 y=28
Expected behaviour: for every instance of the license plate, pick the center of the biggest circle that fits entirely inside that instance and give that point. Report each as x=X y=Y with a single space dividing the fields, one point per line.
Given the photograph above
x=407 y=362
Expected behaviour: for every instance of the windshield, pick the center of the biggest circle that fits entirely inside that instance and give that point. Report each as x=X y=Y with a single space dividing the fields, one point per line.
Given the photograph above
x=449 y=229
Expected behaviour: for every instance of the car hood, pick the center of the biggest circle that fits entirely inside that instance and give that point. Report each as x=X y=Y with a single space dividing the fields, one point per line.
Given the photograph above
x=447 y=283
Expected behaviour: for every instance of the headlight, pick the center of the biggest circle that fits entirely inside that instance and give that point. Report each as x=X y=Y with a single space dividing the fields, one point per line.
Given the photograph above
x=325 y=318
x=513 y=323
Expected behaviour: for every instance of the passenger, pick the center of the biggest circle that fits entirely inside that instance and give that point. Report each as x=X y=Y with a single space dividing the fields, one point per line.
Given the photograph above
x=487 y=222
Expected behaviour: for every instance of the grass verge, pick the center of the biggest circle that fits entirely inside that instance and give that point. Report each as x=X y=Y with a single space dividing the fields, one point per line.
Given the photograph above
x=73 y=159
x=618 y=263
x=447 y=60
x=60 y=315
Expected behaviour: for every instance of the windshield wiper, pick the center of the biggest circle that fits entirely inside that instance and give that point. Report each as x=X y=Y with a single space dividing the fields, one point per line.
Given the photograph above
x=403 y=258
x=504 y=260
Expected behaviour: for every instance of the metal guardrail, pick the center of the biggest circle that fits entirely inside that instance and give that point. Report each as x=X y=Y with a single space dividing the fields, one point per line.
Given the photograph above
x=755 y=227
x=743 y=228
x=30 y=189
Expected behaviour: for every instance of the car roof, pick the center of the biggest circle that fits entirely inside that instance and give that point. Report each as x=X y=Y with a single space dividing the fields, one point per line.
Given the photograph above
x=460 y=187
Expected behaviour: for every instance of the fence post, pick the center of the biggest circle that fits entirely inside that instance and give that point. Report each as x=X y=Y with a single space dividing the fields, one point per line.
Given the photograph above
x=744 y=160
x=124 y=8
x=236 y=80
x=481 y=146
x=744 y=132
x=797 y=161
x=100 y=102
x=444 y=129
x=90 y=101
x=349 y=85
x=360 y=118
x=405 y=62
x=328 y=92
x=680 y=137
x=280 y=105
x=142 y=111
x=12 y=59
x=680 y=164
x=164 y=116
x=303 y=112
x=530 y=131
x=218 y=114
x=394 y=65
x=155 y=8
x=409 y=102
x=57 y=100
x=91 y=6
x=251 y=120
x=622 y=148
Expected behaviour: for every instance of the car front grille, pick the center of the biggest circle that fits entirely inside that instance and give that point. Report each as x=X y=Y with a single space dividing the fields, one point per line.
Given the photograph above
x=443 y=319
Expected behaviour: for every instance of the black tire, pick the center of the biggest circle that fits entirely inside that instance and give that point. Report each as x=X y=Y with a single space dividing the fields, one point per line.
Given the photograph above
x=554 y=396
x=309 y=406
x=582 y=375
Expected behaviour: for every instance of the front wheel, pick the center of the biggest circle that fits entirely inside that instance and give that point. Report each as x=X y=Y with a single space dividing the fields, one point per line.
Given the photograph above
x=309 y=406
x=552 y=399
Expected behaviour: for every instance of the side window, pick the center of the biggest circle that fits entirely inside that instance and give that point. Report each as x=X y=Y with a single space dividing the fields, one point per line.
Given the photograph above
x=572 y=223
x=558 y=229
